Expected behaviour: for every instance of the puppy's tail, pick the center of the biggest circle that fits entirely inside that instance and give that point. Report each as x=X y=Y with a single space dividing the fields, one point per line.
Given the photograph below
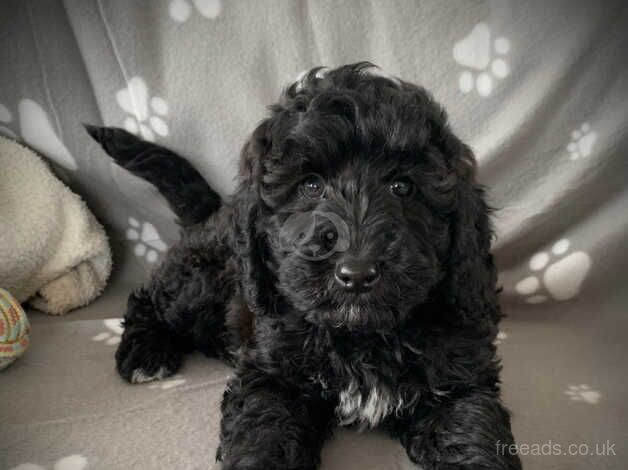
x=187 y=192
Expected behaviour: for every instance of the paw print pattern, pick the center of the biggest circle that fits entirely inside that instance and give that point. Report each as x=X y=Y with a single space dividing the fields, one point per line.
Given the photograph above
x=114 y=333
x=583 y=392
x=6 y=117
x=145 y=115
x=582 y=142
x=560 y=279
x=501 y=336
x=37 y=130
x=172 y=382
x=180 y=10
x=71 y=462
x=478 y=52
x=146 y=239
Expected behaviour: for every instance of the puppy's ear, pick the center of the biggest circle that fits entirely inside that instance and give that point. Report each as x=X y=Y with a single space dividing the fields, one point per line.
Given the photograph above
x=471 y=278
x=250 y=246
x=253 y=155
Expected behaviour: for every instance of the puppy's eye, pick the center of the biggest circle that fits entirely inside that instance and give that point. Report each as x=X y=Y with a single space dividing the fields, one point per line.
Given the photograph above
x=313 y=187
x=401 y=187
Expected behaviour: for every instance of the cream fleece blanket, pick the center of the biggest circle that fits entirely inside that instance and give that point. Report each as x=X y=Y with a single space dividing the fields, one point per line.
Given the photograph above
x=53 y=251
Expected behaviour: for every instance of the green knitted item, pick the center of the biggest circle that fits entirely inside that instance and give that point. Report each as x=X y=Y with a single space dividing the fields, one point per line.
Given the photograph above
x=14 y=329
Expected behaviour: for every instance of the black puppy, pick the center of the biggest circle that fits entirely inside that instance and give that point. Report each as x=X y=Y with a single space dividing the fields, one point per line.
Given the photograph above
x=348 y=281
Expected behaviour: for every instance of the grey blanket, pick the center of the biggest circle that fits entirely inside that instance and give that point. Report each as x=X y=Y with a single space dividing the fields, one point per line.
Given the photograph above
x=540 y=91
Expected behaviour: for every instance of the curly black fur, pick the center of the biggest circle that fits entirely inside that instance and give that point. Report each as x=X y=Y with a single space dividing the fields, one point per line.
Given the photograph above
x=413 y=355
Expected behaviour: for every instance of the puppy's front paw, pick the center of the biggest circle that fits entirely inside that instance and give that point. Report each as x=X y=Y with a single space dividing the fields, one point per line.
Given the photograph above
x=140 y=360
x=140 y=375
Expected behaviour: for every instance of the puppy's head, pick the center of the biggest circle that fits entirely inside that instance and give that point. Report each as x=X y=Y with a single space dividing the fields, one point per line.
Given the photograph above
x=358 y=206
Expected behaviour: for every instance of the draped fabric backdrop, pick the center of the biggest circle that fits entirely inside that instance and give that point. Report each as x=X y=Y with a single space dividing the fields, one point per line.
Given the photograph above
x=539 y=90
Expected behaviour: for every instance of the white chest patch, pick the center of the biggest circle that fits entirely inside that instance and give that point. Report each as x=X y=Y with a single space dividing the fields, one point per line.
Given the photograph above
x=367 y=410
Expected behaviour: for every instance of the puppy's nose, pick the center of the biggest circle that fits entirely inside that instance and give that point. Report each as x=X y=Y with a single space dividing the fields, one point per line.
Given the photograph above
x=356 y=275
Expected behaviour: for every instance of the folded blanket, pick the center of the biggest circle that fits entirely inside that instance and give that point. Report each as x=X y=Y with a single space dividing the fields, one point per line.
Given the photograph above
x=53 y=251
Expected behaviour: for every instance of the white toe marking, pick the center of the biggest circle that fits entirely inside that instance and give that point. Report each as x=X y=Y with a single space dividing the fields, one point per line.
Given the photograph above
x=140 y=376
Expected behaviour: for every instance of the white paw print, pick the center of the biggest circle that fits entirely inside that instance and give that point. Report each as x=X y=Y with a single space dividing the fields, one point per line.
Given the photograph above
x=560 y=279
x=146 y=238
x=501 y=336
x=180 y=10
x=6 y=117
x=37 y=130
x=477 y=52
x=111 y=337
x=144 y=114
x=172 y=382
x=582 y=142
x=71 y=462
x=583 y=392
